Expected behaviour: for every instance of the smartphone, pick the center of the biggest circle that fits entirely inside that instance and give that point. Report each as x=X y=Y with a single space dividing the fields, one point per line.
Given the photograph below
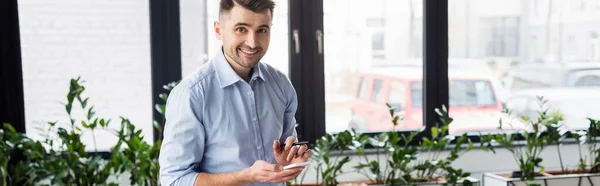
x=301 y=164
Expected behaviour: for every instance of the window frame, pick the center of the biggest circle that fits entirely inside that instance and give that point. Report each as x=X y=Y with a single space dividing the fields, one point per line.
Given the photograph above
x=307 y=18
x=306 y=68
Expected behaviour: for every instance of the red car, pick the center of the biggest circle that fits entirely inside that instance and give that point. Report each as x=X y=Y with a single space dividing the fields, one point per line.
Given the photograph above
x=474 y=105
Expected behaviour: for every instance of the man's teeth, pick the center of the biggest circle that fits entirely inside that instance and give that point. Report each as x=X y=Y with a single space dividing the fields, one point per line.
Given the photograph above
x=248 y=52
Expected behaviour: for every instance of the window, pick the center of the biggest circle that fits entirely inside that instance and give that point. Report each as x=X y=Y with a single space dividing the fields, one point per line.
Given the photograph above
x=416 y=93
x=376 y=26
x=463 y=93
x=471 y=93
x=107 y=43
x=378 y=92
x=595 y=47
x=195 y=29
x=501 y=35
x=363 y=87
x=378 y=45
x=397 y=96
x=531 y=55
x=369 y=39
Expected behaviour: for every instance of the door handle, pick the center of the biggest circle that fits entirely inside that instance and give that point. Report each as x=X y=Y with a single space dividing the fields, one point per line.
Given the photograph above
x=296 y=36
x=319 y=35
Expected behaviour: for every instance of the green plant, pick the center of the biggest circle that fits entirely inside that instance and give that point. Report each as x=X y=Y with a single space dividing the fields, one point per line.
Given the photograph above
x=329 y=168
x=62 y=158
x=396 y=168
x=556 y=133
x=133 y=154
x=400 y=156
x=535 y=139
x=434 y=167
x=138 y=157
x=590 y=139
x=11 y=142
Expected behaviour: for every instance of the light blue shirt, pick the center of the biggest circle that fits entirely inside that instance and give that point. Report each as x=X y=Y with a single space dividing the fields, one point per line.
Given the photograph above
x=216 y=122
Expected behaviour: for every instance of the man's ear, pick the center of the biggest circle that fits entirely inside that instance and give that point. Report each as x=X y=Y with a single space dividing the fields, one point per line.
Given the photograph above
x=218 y=30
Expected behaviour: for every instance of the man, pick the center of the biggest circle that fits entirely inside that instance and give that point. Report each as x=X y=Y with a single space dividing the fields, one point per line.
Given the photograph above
x=225 y=122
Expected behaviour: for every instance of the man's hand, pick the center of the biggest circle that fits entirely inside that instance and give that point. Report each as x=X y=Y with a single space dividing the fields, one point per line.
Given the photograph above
x=290 y=153
x=263 y=171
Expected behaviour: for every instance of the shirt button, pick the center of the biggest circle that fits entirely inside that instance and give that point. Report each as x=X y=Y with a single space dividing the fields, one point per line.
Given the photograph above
x=259 y=147
x=249 y=93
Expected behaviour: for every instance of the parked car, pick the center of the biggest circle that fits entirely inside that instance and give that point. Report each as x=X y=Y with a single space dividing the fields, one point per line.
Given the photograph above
x=575 y=103
x=539 y=75
x=474 y=104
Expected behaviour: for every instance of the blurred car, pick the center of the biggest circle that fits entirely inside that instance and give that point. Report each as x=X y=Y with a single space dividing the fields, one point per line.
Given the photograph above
x=539 y=75
x=575 y=103
x=473 y=100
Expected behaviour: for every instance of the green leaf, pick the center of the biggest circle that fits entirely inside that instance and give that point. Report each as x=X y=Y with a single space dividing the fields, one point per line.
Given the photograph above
x=157 y=126
x=434 y=132
x=91 y=113
x=470 y=146
x=395 y=121
x=68 y=108
x=102 y=123
x=163 y=96
x=94 y=123
x=10 y=128
x=84 y=103
x=84 y=124
x=160 y=108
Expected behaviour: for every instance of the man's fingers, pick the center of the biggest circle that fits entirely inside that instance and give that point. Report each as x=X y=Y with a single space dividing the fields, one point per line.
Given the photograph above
x=278 y=168
x=288 y=174
x=292 y=153
x=307 y=154
x=289 y=142
x=301 y=150
x=271 y=167
x=276 y=148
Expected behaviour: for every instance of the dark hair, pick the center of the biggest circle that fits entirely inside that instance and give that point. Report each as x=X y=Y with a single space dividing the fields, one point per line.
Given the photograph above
x=252 y=5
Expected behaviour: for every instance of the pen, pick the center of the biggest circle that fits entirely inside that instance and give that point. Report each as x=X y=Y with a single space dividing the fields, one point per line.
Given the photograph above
x=296 y=143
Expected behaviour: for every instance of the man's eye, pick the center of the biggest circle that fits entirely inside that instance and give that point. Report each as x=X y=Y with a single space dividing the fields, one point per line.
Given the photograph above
x=262 y=30
x=240 y=29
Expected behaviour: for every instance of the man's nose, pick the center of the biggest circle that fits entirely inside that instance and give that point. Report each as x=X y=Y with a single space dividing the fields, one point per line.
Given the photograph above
x=251 y=40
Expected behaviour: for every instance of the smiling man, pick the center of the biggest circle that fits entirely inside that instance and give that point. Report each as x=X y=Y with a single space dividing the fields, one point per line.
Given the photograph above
x=225 y=122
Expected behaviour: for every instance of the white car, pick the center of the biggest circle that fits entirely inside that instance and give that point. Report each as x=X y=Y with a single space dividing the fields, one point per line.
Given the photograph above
x=576 y=103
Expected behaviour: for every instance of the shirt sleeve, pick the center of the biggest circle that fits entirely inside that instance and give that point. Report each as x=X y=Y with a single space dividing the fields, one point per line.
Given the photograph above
x=289 y=118
x=184 y=137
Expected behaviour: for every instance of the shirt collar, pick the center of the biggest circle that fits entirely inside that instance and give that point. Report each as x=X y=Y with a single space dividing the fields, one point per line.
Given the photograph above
x=227 y=76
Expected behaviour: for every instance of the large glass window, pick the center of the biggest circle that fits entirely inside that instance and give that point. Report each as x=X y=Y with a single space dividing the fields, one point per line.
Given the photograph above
x=371 y=48
x=107 y=43
x=194 y=34
x=517 y=50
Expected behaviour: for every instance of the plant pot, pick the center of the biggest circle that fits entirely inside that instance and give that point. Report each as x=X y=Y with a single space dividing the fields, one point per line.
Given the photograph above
x=367 y=183
x=473 y=180
x=547 y=179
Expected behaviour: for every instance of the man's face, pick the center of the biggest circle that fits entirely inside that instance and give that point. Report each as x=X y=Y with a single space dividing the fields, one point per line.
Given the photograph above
x=245 y=35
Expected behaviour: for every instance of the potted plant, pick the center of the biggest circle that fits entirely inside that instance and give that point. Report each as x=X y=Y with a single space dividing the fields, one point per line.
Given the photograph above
x=543 y=131
x=401 y=165
x=13 y=142
x=136 y=156
x=61 y=157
